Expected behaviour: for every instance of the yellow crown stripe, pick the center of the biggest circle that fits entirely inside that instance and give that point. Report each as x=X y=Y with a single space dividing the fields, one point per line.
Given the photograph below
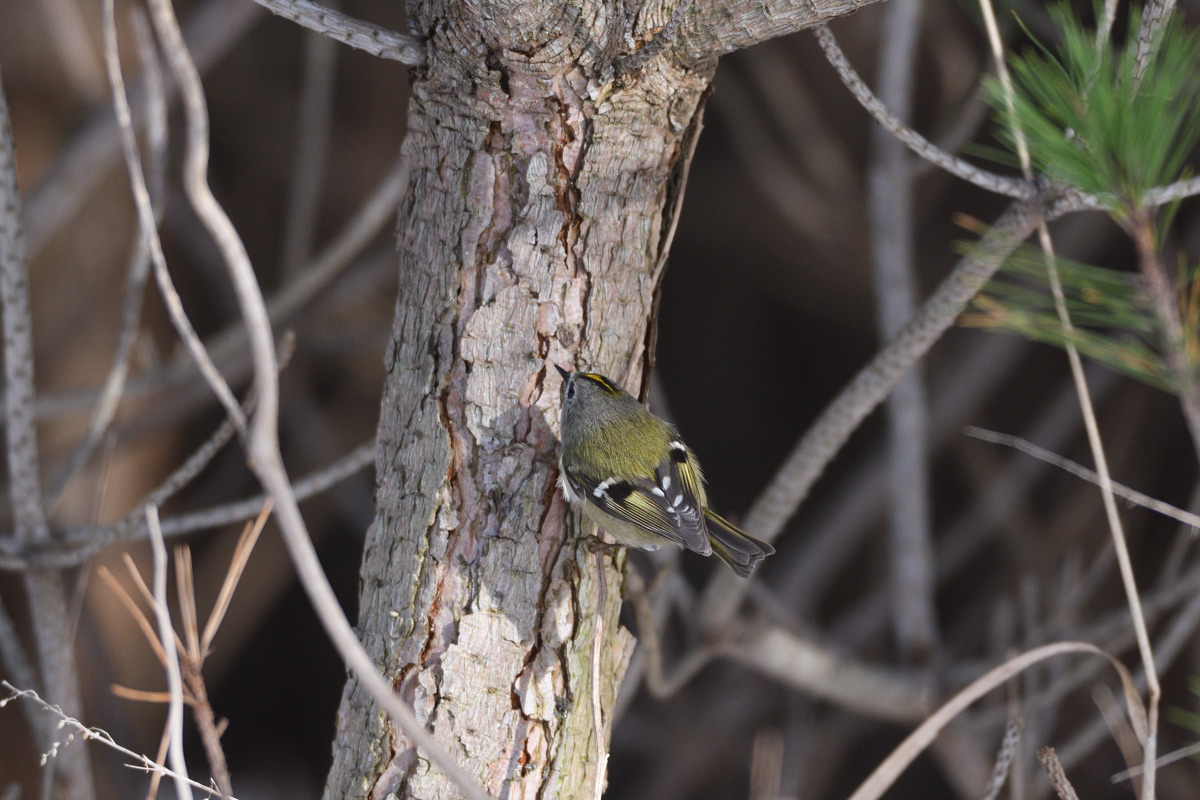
x=603 y=381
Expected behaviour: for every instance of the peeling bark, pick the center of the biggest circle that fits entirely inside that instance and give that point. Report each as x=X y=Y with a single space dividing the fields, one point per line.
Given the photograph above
x=528 y=237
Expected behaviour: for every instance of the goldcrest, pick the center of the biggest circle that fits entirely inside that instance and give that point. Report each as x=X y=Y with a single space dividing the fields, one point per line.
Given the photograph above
x=631 y=474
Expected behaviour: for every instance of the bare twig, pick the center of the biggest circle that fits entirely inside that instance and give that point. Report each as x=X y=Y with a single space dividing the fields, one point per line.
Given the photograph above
x=192 y=648
x=1169 y=758
x=1118 y=728
x=192 y=665
x=1154 y=16
x=139 y=267
x=1189 y=187
x=820 y=671
x=81 y=544
x=312 y=150
x=369 y=220
x=211 y=31
x=48 y=604
x=376 y=40
x=839 y=528
x=144 y=763
x=241 y=556
x=658 y=680
x=1020 y=190
x=1163 y=297
x=1058 y=778
x=228 y=348
x=16 y=663
x=890 y=202
x=149 y=227
x=1004 y=758
x=21 y=451
x=166 y=636
x=1078 y=470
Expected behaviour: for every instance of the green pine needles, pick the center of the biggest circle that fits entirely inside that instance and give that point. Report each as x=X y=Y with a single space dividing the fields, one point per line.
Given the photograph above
x=1093 y=119
x=1114 y=321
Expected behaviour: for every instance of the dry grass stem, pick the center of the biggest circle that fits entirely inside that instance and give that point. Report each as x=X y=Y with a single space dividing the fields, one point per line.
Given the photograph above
x=916 y=742
x=1148 y=735
x=1163 y=760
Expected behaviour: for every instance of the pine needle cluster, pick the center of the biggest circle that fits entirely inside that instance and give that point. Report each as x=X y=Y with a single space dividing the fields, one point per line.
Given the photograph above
x=1095 y=118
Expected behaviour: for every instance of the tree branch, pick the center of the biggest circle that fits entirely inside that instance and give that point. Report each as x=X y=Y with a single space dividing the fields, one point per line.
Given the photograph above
x=710 y=30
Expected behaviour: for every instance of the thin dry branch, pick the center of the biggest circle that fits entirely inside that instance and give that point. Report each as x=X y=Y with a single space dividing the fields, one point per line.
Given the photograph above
x=166 y=636
x=139 y=269
x=17 y=664
x=891 y=201
x=1004 y=758
x=241 y=556
x=373 y=39
x=143 y=763
x=79 y=545
x=21 y=436
x=149 y=228
x=1078 y=470
x=47 y=595
x=802 y=664
x=312 y=151
x=211 y=31
x=1017 y=189
x=1058 y=778
x=228 y=348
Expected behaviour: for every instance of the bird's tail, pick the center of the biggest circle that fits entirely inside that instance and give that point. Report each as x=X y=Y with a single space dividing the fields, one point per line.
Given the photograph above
x=735 y=547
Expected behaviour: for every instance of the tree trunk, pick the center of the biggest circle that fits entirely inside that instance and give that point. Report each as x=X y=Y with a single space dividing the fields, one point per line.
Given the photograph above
x=528 y=237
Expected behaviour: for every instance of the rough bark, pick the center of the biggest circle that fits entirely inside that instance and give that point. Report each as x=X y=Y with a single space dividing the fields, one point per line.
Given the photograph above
x=529 y=235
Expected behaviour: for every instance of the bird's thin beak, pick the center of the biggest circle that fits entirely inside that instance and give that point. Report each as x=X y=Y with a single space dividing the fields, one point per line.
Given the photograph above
x=566 y=376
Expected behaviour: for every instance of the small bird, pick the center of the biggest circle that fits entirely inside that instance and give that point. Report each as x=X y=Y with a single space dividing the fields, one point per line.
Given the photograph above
x=632 y=475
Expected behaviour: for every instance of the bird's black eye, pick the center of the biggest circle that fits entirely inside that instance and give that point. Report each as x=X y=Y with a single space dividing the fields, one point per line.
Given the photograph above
x=571 y=390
